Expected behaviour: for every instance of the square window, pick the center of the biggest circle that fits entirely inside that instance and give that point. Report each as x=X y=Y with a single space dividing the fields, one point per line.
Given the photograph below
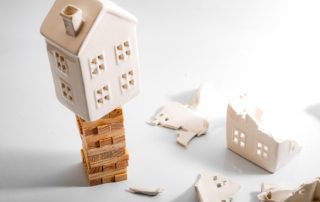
x=242 y=144
x=242 y=136
x=236 y=132
x=265 y=148
x=259 y=152
x=259 y=145
x=215 y=178
x=235 y=140
x=265 y=155
x=219 y=185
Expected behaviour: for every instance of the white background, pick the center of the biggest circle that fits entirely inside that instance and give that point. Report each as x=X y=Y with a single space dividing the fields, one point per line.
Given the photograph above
x=268 y=49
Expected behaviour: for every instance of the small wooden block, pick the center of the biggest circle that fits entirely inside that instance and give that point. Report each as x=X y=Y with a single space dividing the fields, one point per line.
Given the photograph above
x=83 y=157
x=95 y=170
x=118 y=138
x=118 y=152
x=93 y=145
x=108 y=179
x=94 y=158
x=106 y=155
x=106 y=168
x=90 y=131
x=95 y=182
x=104 y=128
x=79 y=125
x=120 y=177
x=122 y=164
x=116 y=112
x=107 y=141
x=115 y=126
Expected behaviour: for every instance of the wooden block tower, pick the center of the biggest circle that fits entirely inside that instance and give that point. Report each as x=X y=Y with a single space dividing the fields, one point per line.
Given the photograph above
x=93 y=55
x=104 y=153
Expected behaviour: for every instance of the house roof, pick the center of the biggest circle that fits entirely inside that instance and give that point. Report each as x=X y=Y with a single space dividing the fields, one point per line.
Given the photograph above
x=53 y=27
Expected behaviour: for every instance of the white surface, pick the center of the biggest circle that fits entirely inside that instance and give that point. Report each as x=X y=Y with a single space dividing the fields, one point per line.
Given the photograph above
x=269 y=49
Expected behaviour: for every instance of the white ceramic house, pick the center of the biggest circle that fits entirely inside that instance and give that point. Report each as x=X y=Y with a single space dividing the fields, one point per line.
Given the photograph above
x=250 y=138
x=93 y=54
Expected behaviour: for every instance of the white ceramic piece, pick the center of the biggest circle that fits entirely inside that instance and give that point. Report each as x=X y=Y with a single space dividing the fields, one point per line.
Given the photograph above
x=306 y=192
x=250 y=138
x=211 y=187
x=151 y=191
x=176 y=116
x=93 y=55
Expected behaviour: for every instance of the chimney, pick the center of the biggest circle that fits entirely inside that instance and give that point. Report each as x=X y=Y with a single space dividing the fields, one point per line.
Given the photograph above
x=72 y=18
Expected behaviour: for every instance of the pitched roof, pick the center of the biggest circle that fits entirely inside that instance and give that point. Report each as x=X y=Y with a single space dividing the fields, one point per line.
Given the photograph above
x=53 y=27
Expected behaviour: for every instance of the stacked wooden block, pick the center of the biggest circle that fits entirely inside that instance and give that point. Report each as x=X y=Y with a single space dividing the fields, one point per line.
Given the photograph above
x=104 y=154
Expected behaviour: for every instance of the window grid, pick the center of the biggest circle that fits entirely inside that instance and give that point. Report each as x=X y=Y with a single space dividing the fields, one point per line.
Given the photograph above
x=61 y=63
x=262 y=150
x=66 y=91
x=102 y=96
x=97 y=65
x=239 y=138
x=127 y=81
x=123 y=51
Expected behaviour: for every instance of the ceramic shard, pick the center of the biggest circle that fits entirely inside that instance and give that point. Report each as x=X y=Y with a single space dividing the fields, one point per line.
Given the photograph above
x=270 y=192
x=178 y=116
x=250 y=138
x=211 y=187
x=151 y=191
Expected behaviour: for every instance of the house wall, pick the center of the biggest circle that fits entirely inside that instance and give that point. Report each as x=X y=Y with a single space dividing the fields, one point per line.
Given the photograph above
x=253 y=136
x=72 y=78
x=109 y=32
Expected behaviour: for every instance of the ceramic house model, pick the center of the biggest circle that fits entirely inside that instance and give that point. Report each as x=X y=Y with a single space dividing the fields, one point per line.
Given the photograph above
x=93 y=54
x=250 y=138
x=270 y=192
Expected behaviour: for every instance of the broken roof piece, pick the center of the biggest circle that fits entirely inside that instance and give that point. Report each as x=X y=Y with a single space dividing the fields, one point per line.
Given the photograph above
x=211 y=187
x=250 y=138
x=270 y=192
x=176 y=115
x=151 y=191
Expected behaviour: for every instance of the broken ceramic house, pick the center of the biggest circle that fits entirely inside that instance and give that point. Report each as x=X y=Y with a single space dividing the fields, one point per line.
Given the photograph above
x=211 y=187
x=310 y=191
x=93 y=54
x=151 y=191
x=176 y=116
x=250 y=138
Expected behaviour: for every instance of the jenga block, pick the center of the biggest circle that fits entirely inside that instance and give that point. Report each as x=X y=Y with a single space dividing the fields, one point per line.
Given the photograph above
x=108 y=179
x=115 y=126
x=103 y=142
x=95 y=182
x=110 y=161
x=116 y=112
x=82 y=155
x=120 y=177
x=122 y=164
x=104 y=128
x=94 y=138
x=118 y=152
x=110 y=167
x=118 y=138
x=90 y=131
x=95 y=170
x=106 y=155
x=106 y=148
x=94 y=158
x=79 y=125
x=100 y=122
x=93 y=145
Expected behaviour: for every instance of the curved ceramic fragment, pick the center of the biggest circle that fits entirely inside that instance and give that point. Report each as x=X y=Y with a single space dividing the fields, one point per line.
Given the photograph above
x=199 y=96
x=211 y=187
x=306 y=192
x=176 y=116
x=250 y=138
x=151 y=191
x=184 y=137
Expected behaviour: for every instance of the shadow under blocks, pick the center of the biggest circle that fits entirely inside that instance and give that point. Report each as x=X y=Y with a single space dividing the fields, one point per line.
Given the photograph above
x=40 y=170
